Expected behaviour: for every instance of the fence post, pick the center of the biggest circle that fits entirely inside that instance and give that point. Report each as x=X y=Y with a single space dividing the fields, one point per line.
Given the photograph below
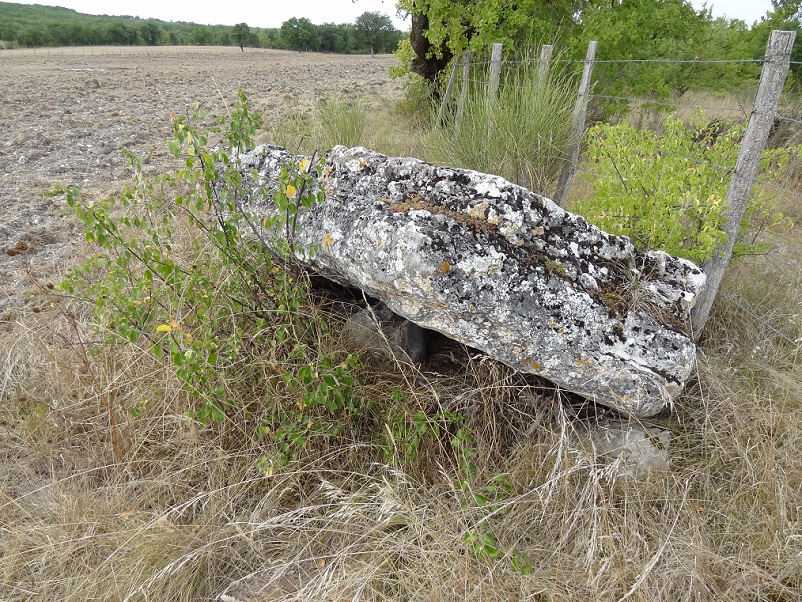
x=772 y=81
x=495 y=69
x=577 y=128
x=463 y=95
x=543 y=65
x=447 y=94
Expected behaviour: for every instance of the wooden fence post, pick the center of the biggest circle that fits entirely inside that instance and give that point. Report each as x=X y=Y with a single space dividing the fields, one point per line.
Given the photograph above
x=544 y=65
x=577 y=128
x=446 y=96
x=463 y=95
x=495 y=70
x=772 y=81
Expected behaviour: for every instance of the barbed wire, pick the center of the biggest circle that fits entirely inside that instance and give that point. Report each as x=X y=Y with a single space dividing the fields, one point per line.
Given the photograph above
x=784 y=118
x=767 y=257
x=796 y=343
x=667 y=104
x=778 y=187
x=624 y=61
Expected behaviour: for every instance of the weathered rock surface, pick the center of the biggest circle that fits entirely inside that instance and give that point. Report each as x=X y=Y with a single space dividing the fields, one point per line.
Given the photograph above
x=499 y=268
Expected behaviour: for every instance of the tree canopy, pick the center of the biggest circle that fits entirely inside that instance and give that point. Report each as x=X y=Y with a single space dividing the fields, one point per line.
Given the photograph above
x=625 y=29
x=374 y=29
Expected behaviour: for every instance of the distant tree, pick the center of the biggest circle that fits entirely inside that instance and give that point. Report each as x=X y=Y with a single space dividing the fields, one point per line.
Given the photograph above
x=9 y=31
x=30 y=37
x=80 y=35
x=58 y=34
x=373 y=29
x=328 y=33
x=241 y=34
x=270 y=38
x=202 y=36
x=120 y=34
x=150 y=33
x=300 y=34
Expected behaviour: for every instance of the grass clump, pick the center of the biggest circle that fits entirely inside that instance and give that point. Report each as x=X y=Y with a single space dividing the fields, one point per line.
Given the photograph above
x=520 y=134
x=333 y=119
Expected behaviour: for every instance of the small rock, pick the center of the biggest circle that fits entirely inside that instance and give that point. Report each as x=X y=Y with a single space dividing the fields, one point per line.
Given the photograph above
x=634 y=450
x=380 y=332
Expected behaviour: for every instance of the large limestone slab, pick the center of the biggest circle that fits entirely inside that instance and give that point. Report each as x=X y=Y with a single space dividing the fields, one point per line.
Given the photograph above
x=501 y=269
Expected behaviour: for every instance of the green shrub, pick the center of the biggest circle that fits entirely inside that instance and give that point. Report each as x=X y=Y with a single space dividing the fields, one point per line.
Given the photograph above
x=178 y=274
x=668 y=191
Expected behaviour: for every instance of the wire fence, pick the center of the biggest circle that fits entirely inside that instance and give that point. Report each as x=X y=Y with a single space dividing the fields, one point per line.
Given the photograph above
x=775 y=253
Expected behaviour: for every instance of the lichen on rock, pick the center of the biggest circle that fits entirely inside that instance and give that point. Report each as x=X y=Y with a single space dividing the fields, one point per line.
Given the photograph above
x=500 y=268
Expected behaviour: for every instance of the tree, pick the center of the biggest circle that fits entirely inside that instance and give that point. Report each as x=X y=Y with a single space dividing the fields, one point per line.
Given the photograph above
x=120 y=34
x=643 y=29
x=373 y=29
x=787 y=15
x=300 y=34
x=241 y=34
x=445 y=28
x=30 y=37
x=151 y=33
x=202 y=36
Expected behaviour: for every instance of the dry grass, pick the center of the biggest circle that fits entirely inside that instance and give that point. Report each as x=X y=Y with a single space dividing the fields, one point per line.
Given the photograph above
x=187 y=515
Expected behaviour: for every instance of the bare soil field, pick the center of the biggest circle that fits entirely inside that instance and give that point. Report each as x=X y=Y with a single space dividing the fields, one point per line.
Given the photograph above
x=67 y=113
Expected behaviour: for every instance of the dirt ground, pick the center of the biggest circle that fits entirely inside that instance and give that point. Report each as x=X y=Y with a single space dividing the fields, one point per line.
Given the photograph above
x=65 y=114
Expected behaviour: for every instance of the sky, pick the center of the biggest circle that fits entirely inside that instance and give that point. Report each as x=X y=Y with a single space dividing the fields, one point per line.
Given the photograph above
x=263 y=13
x=272 y=13
x=745 y=10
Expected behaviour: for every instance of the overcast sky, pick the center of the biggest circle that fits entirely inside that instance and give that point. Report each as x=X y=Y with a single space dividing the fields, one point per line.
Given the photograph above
x=746 y=10
x=263 y=13
x=272 y=13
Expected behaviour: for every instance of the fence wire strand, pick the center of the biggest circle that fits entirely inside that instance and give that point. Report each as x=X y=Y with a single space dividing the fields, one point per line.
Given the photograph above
x=761 y=320
x=668 y=104
x=784 y=118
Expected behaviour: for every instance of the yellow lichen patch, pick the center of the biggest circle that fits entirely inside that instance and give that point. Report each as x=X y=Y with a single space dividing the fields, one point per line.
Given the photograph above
x=538 y=231
x=532 y=363
x=328 y=239
x=444 y=267
x=478 y=212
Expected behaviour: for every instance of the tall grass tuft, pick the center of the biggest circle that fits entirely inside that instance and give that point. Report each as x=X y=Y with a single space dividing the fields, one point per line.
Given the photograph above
x=520 y=134
x=333 y=119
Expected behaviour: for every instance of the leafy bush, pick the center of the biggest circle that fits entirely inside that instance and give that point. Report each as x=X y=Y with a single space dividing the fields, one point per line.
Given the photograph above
x=179 y=275
x=668 y=191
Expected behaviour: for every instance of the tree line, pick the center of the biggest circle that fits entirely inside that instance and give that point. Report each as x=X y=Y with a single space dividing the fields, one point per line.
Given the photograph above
x=34 y=26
